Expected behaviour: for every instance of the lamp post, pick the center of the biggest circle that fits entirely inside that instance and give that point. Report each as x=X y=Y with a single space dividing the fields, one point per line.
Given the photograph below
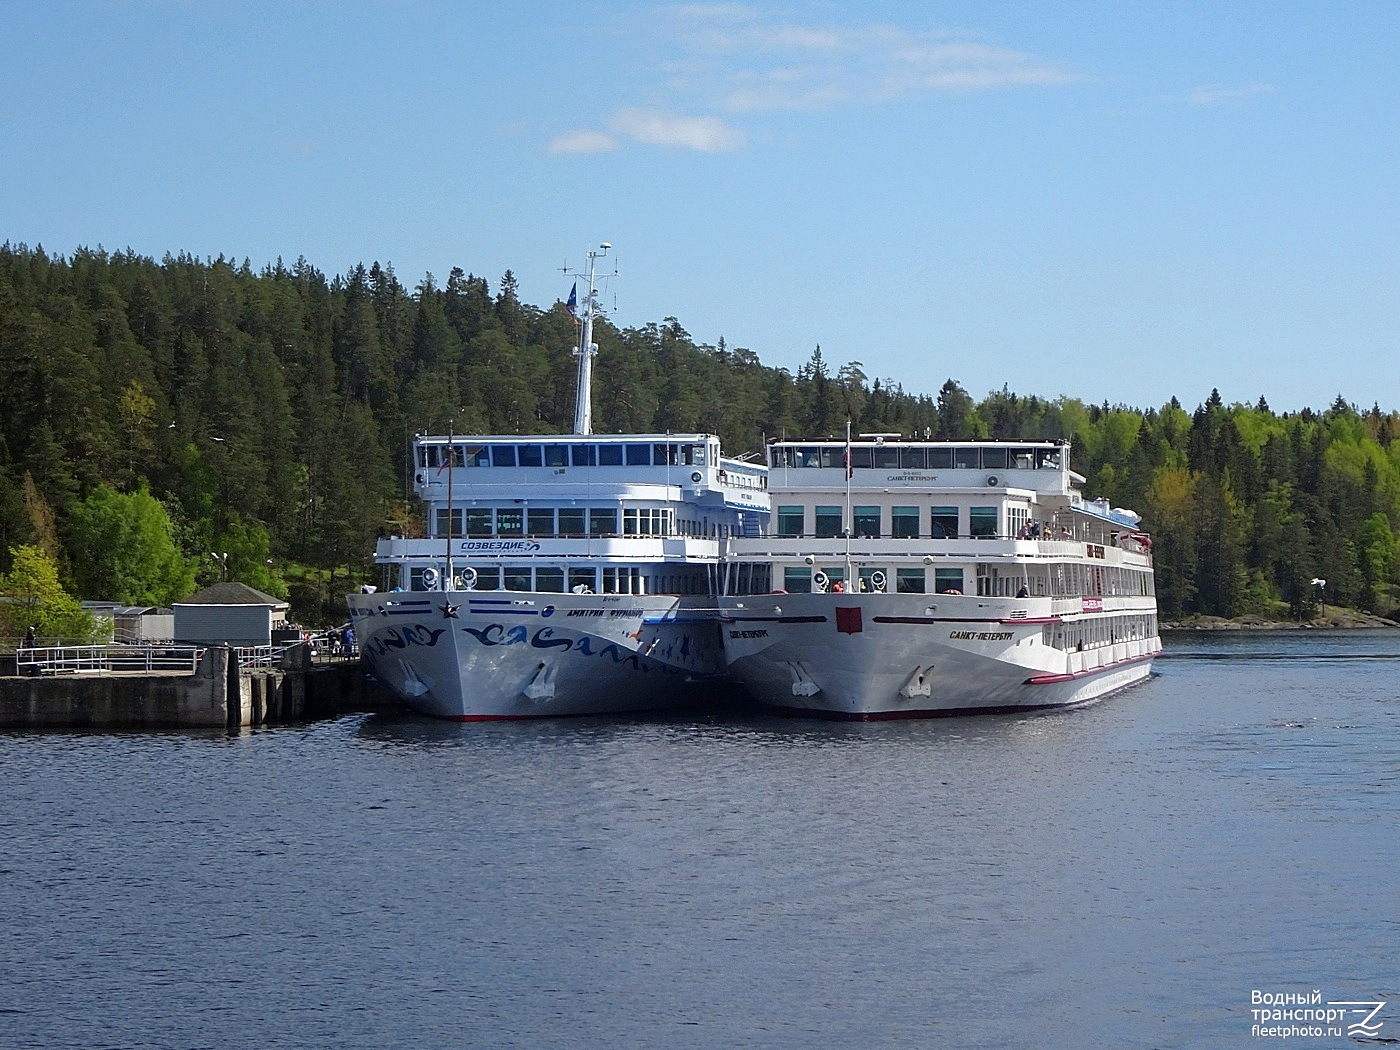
x=221 y=560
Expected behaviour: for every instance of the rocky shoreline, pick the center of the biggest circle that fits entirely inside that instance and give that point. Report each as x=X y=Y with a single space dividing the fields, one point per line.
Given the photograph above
x=1328 y=617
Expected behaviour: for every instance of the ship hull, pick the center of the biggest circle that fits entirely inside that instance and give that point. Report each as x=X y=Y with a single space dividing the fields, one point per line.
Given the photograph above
x=875 y=656
x=476 y=656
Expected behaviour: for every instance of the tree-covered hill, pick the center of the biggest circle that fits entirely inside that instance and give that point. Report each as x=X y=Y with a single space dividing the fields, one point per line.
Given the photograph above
x=157 y=416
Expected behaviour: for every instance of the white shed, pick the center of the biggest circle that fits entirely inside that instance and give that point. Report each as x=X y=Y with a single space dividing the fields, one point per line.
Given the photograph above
x=228 y=614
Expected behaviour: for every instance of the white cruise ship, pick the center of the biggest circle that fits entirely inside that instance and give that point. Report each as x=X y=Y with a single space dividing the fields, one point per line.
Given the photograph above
x=912 y=578
x=561 y=574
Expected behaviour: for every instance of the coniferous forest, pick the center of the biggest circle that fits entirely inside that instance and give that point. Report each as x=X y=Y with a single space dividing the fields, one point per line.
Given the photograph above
x=165 y=424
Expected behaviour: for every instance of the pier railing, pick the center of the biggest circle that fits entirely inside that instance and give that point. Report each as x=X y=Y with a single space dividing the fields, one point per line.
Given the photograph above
x=136 y=659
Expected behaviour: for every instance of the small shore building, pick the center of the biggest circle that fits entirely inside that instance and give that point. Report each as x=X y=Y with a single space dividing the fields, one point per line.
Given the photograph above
x=228 y=614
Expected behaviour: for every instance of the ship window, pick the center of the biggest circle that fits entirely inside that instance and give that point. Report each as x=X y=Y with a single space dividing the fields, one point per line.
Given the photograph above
x=913 y=458
x=441 y=526
x=427 y=455
x=943 y=523
x=904 y=523
x=1047 y=458
x=556 y=456
x=809 y=456
x=540 y=521
x=639 y=455
x=510 y=521
x=585 y=455
x=571 y=521
x=517 y=578
x=797 y=579
x=791 y=521
x=583 y=578
x=695 y=455
x=861 y=456
x=867 y=522
x=947 y=581
x=909 y=581
x=488 y=578
x=828 y=521
x=504 y=456
x=967 y=457
x=602 y=522
x=940 y=458
x=781 y=456
x=663 y=455
x=886 y=457
x=609 y=455
x=982 y=522
x=475 y=456
x=869 y=581
x=1022 y=459
x=994 y=459
x=530 y=456
x=551 y=580
x=479 y=522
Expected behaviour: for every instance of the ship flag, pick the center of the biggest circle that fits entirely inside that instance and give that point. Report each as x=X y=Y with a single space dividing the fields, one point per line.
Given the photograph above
x=572 y=305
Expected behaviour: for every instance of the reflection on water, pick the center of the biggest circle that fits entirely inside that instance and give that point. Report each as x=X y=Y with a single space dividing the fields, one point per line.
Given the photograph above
x=1122 y=874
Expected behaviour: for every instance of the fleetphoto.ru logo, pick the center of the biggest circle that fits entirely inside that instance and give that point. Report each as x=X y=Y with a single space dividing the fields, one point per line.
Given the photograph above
x=1281 y=1015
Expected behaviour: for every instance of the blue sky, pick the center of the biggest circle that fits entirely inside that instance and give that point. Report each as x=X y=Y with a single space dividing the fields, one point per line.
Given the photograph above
x=1112 y=201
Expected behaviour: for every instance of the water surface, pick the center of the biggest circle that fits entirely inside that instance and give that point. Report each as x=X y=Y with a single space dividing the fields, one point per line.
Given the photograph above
x=1123 y=874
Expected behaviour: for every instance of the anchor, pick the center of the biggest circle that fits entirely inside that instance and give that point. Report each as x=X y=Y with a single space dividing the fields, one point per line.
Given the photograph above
x=541 y=687
x=920 y=683
x=802 y=684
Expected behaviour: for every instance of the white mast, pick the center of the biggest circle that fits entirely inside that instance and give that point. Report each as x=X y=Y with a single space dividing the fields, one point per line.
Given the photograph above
x=587 y=348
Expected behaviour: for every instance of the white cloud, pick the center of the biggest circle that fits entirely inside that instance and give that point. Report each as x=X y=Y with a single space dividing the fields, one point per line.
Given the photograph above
x=1216 y=95
x=772 y=65
x=582 y=141
x=702 y=134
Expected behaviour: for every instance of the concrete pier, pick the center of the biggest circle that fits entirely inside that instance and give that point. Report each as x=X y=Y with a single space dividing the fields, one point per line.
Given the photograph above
x=218 y=695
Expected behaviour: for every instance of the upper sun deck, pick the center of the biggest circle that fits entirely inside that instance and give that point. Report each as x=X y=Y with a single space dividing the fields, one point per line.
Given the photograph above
x=887 y=462
x=586 y=466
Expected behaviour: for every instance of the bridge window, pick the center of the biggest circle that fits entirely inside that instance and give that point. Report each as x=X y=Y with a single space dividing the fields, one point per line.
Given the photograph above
x=940 y=458
x=479 y=522
x=639 y=455
x=994 y=459
x=530 y=456
x=584 y=455
x=510 y=521
x=913 y=458
x=967 y=457
x=886 y=457
x=556 y=455
x=503 y=456
x=610 y=455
